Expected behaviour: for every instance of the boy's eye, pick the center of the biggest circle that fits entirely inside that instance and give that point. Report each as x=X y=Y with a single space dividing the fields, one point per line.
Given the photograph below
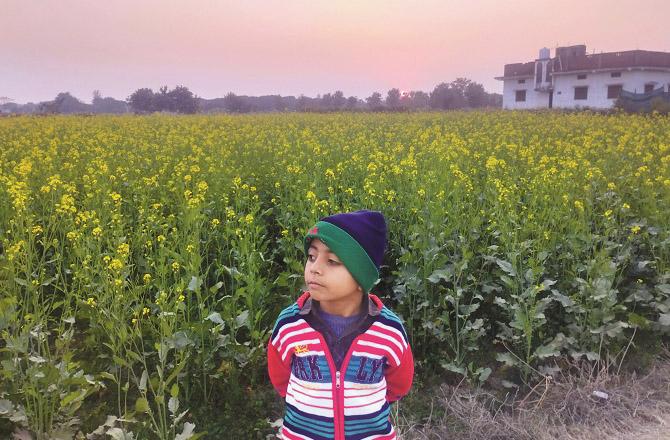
x=311 y=257
x=331 y=261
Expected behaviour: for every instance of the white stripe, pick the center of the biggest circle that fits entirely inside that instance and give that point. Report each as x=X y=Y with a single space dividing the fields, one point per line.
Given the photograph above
x=368 y=355
x=381 y=347
x=314 y=392
x=283 y=329
x=323 y=412
x=355 y=401
x=300 y=342
x=294 y=333
x=387 y=337
x=391 y=329
x=353 y=389
x=364 y=410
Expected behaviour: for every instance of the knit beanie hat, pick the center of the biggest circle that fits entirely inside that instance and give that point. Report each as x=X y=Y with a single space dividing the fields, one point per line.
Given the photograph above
x=358 y=239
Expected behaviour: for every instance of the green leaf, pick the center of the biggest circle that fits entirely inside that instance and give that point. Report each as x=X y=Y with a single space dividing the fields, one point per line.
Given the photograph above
x=142 y=405
x=187 y=432
x=506 y=266
x=174 y=390
x=74 y=396
x=215 y=317
x=441 y=274
x=21 y=282
x=143 y=381
x=194 y=284
x=506 y=358
x=545 y=351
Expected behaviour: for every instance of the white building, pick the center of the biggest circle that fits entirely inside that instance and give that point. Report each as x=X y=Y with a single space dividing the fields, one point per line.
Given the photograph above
x=575 y=79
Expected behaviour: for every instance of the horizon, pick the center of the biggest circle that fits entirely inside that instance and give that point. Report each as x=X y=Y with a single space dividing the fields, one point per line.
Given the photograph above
x=297 y=47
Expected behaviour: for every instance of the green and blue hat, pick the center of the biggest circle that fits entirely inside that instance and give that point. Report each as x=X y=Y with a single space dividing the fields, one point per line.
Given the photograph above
x=358 y=239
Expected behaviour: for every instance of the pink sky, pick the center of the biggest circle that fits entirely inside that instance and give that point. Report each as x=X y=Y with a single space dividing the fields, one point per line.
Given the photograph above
x=291 y=47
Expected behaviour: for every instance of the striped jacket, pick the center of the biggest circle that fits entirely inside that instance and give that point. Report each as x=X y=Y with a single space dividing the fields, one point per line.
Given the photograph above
x=347 y=404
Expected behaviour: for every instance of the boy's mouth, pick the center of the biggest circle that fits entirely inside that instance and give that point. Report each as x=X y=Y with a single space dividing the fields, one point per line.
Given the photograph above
x=314 y=284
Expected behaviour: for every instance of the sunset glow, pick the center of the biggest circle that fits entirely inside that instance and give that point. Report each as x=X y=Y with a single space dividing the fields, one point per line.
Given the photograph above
x=297 y=46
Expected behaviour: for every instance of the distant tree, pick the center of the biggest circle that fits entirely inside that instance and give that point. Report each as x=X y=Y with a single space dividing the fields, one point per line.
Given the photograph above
x=374 y=101
x=182 y=100
x=393 y=99
x=302 y=104
x=352 y=103
x=419 y=99
x=142 y=101
x=163 y=102
x=339 y=101
x=64 y=102
x=475 y=95
x=235 y=104
x=101 y=104
x=446 y=97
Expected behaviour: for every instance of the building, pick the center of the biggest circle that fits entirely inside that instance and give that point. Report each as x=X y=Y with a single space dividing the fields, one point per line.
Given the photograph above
x=575 y=79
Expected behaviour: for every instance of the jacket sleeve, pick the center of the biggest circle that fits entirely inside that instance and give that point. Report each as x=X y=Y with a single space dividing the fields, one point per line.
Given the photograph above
x=278 y=370
x=399 y=377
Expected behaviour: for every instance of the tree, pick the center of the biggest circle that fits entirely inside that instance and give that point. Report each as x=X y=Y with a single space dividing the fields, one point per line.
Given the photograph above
x=374 y=101
x=235 y=104
x=352 y=103
x=419 y=99
x=142 y=101
x=393 y=99
x=339 y=101
x=446 y=97
x=182 y=100
x=475 y=95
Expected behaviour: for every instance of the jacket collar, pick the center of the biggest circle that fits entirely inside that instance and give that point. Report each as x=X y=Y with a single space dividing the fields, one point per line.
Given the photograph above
x=374 y=304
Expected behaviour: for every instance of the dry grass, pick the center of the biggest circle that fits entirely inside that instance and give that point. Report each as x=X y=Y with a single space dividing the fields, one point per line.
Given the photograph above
x=565 y=407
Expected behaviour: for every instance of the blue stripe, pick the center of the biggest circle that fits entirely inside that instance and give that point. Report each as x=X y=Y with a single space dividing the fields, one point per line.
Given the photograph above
x=384 y=409
x=310 y=423
x=366 y=429
x=352 y=424
x=308 y=426
x=307 y=433
x=309 y=416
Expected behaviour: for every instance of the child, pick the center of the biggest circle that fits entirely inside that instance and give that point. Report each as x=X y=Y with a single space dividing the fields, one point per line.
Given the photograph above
x=338 y=356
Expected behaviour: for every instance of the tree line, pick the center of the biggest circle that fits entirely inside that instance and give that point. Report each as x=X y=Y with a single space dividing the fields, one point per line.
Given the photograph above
x=461 y=93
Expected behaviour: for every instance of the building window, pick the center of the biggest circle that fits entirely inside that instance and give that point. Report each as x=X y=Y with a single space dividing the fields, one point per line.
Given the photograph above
x=521 y=81
x=581 y=93
x=615 y=74
x=520 y=96
x=581 y=76
x=648 y=88
x=614 y=91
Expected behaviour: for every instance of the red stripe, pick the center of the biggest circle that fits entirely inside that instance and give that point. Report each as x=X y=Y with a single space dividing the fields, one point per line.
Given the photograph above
x=362 y=395
x=383 y=342
x=284 y=331
x=367 y=404
x=313 y=397
x=285 y=434
x=307 y=404
x=386 y=331
x=376 y=351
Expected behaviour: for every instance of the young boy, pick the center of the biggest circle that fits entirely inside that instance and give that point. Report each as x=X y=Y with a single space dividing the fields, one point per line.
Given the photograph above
x=338 y=356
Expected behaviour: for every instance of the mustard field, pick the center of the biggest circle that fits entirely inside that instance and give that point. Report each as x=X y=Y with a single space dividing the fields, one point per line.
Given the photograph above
x=143 y=260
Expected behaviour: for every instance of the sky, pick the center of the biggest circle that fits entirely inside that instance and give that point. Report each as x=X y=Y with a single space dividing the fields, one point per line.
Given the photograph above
x=293 y=47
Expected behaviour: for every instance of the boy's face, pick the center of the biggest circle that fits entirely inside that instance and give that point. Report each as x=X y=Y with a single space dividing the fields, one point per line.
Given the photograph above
x=327 y=279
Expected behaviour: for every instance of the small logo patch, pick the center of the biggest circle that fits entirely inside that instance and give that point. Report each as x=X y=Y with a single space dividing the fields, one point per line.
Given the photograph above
x=301 y=349
x=313 y=231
